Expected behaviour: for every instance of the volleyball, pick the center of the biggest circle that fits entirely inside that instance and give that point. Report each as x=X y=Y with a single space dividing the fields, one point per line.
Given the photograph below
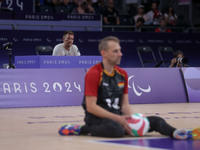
x=139 y=124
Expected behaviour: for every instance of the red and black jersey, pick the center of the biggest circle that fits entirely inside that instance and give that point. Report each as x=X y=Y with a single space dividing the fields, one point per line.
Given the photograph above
x=108 y=88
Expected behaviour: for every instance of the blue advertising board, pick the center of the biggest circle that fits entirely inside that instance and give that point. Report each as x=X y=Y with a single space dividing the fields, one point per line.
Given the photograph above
x=192 y=81
x=56 y=61
x=65 y=87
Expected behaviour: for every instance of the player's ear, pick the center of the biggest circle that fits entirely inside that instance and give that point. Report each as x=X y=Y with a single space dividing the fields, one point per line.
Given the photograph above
x=102 y=52
x=63 y=38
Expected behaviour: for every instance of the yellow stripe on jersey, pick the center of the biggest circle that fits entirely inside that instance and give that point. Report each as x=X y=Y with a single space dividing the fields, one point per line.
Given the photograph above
x=119 y=72
x=100 y=78
x=109 y=74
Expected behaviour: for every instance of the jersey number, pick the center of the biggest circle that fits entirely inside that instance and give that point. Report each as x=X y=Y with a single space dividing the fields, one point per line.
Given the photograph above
x=114 y=105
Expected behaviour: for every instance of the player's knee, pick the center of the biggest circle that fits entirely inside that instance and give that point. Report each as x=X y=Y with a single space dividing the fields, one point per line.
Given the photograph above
x=115 y=130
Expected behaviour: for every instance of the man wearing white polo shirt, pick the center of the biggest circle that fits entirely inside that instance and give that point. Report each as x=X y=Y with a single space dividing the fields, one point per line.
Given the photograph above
x=67 y=48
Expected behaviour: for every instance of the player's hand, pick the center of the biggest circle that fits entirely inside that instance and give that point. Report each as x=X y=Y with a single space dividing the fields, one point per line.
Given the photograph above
x=123 y=121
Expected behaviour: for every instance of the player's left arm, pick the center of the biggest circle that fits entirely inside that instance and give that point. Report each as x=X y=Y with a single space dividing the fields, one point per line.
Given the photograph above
x=125 y=107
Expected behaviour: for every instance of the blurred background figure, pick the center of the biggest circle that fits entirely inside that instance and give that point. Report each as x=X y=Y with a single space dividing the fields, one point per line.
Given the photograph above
x=110 y=14
x=140 y=13
x=37 y=5
x=132 y=7
x=154 y=15
x=170 y=16
x=179 y=60
x=80 y=7
x=89 y=7
x=69 y=5
x=84 y=7
x=163 y=27
x=139 y=24
x=98 y=6
x=54 y=3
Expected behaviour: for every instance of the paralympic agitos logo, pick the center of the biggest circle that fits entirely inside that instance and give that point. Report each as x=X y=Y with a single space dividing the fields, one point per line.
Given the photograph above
x=139 y=90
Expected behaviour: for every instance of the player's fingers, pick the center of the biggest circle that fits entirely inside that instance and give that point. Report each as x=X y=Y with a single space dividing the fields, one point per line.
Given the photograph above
x=127 y=117
x=128 y=129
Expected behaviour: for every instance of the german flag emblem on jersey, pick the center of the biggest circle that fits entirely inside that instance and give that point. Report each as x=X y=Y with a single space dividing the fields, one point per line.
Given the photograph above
x=120 y=84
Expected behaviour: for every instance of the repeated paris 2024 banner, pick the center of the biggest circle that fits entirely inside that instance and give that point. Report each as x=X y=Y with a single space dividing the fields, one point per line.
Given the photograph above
x=41 y=87
x=65 y=87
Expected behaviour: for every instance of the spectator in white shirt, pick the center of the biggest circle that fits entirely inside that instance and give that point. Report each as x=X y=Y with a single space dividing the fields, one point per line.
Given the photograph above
x=170 y=16
x=140 y=14
x=154 y=15
x=67 y=48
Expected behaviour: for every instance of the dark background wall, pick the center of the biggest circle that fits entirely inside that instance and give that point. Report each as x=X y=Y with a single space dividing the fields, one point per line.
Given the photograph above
x=24 y=43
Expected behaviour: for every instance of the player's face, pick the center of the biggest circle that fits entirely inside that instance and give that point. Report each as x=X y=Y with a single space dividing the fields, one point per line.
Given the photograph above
x=113 y=54
x=68 y=40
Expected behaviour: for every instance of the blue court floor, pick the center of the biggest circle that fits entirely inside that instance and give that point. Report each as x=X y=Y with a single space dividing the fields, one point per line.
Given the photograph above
x=157 y=143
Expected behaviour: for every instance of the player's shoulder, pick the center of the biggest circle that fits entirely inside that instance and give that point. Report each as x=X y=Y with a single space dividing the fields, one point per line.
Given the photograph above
x=96 y=69
x=120 y=70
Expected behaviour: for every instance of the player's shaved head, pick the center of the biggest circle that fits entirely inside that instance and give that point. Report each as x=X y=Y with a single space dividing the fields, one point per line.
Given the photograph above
x=103 y=44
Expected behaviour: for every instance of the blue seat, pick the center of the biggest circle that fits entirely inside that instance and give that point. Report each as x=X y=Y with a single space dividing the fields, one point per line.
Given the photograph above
x=44 y=50
x=61 y=10
x=46 y=9
x=125 y=20
x=165 y=53
x=146 y=56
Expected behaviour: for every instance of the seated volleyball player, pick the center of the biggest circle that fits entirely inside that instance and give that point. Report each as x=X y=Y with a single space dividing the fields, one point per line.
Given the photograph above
x=106 y=101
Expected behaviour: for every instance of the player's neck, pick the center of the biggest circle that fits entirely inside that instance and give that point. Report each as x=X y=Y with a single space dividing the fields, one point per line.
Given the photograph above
x=108 y=67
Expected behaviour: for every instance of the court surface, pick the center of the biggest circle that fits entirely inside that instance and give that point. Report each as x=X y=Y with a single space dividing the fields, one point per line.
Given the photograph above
x=36 y=129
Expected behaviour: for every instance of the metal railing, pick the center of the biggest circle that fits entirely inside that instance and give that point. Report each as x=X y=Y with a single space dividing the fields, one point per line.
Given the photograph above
x=56 y=27
x=7 y=25
x=144 y=28
x=129 y=28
